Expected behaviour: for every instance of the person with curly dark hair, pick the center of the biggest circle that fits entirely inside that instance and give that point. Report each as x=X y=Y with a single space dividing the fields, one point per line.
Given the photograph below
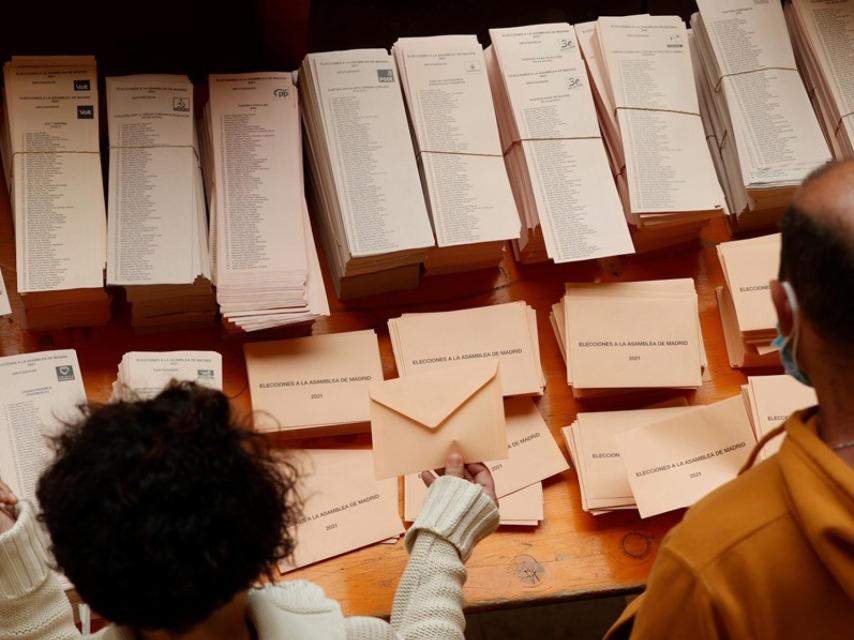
x=164 y=514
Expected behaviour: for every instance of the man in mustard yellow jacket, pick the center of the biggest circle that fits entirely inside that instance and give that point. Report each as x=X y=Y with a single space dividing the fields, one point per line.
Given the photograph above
x=771 y=554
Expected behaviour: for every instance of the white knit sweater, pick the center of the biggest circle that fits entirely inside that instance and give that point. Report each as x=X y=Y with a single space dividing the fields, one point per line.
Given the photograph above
x=428 y=604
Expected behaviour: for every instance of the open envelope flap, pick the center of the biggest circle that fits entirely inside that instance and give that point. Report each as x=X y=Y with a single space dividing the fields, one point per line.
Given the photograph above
x=430 y=397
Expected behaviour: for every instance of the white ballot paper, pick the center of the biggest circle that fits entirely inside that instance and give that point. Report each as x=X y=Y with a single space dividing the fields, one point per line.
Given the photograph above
x=144 y=374
x=5 y=305
x=41 y=391
x=553 y=148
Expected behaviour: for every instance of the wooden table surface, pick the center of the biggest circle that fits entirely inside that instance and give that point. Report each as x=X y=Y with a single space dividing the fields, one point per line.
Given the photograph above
x=573 y=554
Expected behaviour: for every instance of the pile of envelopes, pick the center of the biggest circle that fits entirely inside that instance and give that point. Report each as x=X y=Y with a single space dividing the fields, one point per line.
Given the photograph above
x=770 y=400
x=555 y=156
x=157 y=226
x=657 y=460
x=506 y=333
x=747 y=311
x=345 y=507
x=52 y=162
x=649 y=111
x=768 y=133
x=591 y=441
x=143 y=374
x=369 y=206
x=824 y=60
x=317 y=385
x=623 y=336
x=459 y=154
x=533 y=456
x=265 y=265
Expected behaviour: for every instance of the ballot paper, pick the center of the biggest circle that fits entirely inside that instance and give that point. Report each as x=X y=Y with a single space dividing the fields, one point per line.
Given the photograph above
x=371 y=212
x=601 y=473
x=157 y=218
x=821 y=33
x=418 y=420
x=450 y=109
x=555 y=157
x=769 y=134
x=144 y=374
x=313 y=382
x=669 y=178
x=624 y=336
x=265 y=264
x=533 y=456
x=51 y=125
x=5 y=305
x=770 y=401
x=344 y=507
x=506 y=332
x=674 y=462
x=41 y=392
x=523 y=508
x=747 y=311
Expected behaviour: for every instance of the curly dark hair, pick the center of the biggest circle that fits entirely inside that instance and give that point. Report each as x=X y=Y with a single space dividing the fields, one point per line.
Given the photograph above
x=161 y=511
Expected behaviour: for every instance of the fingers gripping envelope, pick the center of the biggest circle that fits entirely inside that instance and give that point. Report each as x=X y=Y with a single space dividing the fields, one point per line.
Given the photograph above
x=416 y=421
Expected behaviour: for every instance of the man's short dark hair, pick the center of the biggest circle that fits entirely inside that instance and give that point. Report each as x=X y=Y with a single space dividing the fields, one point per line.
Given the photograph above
x=817 y=258
x=161 y=511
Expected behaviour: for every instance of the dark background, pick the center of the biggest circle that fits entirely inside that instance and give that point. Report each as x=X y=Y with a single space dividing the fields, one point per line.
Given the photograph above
x=194 y=37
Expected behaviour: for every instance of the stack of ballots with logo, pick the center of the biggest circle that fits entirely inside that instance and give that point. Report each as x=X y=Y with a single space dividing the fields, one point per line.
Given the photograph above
x=370 y=209
x=620 y=337
x=143 y=374
x=459 y=153
x=52 y=161
x=157 y=228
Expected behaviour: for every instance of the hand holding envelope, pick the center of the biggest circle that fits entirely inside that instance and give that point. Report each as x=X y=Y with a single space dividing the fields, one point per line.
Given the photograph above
x=417 y=421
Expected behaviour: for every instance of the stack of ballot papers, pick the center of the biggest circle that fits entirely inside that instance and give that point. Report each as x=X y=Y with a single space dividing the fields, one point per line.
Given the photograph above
x=503 y=332
x=769 y=134
x=533 y=456
x=42 y=392
x=317 y=384
x=53 y=166
x=770 y=400
x=265 y=264
x=555 y=157
x=747 y=311
x=418 y=420
x=157 y=229
x=676 y=460
x=650 y=117
x=370 y=208
x=144 y=374
x=821 y=36
x=624 y=336
x=344 y=507
x=462 y=169
x=591 y=441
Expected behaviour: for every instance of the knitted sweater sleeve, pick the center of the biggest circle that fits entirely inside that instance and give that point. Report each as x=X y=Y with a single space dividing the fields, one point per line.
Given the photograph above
x=429 y=600
x=32 y=603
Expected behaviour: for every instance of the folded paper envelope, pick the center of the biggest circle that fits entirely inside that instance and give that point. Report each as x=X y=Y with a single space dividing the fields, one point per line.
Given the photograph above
x=416 y=421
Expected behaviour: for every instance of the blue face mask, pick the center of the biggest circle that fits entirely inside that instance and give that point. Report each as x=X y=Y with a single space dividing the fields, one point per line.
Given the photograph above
x=788 y=345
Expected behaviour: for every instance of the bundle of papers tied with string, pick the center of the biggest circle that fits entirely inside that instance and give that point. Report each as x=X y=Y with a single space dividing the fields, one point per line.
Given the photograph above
x=553 y=149
x=265 y=264
x=452 y=119
x=747 y=311
x=369 y=206
x=625 y=336
x=768 y=133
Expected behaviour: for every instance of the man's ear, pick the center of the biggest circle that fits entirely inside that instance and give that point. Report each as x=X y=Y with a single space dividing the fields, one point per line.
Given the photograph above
x=784 y=309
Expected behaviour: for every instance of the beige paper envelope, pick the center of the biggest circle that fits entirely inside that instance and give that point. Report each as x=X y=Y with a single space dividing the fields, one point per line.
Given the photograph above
x=634 y=342
x=314 y=381
x=675 y=462
x=773 y=399
x=749 y=267
x=345 y=507
x=416 y=421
